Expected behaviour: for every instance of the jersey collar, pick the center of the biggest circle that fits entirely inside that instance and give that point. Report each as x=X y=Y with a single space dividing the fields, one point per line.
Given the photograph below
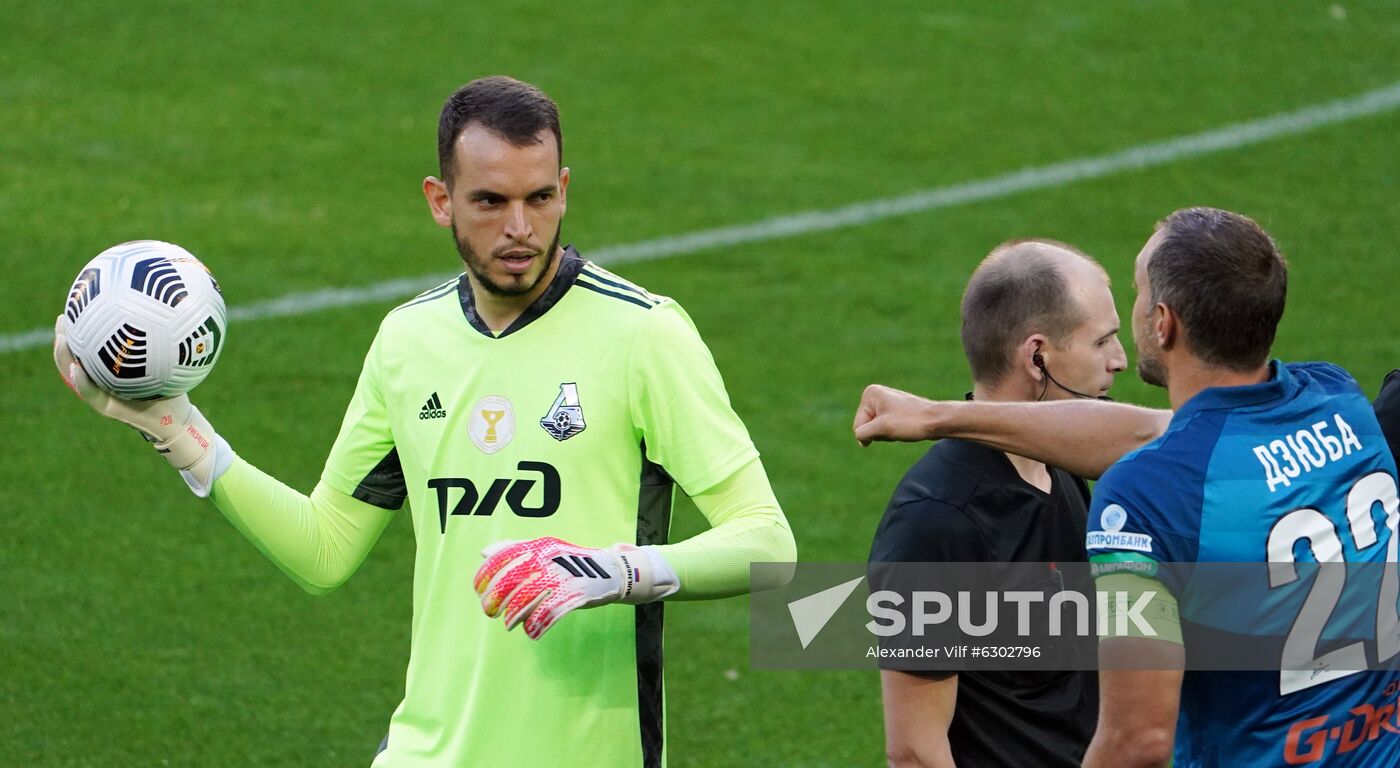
x=570 y=264
x=1280 y=384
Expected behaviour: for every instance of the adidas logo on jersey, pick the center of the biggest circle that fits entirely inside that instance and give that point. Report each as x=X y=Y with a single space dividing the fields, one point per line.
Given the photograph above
x=433 y=409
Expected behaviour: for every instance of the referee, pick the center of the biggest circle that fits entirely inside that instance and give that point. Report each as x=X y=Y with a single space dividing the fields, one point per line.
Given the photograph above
x=1038 y=322
x=537 y=409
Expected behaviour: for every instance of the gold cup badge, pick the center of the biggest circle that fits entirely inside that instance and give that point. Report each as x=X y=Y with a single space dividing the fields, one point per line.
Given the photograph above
x=492 y=424
x=492 y=418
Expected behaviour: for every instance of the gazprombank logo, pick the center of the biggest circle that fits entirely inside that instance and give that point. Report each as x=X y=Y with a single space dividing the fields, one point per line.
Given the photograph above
x=1112 y=520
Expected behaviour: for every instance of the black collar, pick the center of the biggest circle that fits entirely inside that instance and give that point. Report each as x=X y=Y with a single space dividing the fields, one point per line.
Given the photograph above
x=570 y=264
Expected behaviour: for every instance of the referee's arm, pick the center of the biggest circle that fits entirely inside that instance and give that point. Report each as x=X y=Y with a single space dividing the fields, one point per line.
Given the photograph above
x=919 y=707
x=918 y=712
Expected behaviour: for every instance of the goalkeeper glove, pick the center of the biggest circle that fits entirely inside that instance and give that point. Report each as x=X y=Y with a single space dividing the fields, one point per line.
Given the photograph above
x=173 y=425
x=539 y=581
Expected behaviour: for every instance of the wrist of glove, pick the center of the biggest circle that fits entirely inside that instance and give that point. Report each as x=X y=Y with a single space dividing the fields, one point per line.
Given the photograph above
x=176 y=428
x=538 y=582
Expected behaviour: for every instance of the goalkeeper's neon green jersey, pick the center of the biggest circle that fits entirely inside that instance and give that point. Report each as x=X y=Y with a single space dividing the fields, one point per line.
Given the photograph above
x=571 y=423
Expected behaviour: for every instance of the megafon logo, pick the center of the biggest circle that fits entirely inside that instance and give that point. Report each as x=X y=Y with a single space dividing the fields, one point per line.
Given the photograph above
x=811 y=614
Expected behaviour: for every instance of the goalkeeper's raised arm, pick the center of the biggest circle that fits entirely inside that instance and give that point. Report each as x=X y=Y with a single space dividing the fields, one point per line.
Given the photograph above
x=318 y=541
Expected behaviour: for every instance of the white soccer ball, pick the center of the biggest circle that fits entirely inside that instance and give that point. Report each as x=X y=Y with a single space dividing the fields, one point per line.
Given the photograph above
x=146 y=320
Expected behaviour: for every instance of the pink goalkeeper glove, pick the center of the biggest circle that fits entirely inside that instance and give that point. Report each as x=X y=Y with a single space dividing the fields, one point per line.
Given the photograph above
x=541 y=580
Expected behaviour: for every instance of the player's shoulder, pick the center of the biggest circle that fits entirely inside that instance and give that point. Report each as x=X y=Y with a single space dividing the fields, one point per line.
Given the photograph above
x=1150 y=503
x=1077 y=486
x=604 y=299
x=614 y=291
x=1187 y=443
x=654 y=323
x=930 y=515
x=429 y=308
x=923 y=530
x=1390 y=387
x=949 y=473
x=1387 y=408
x=434 y=299
x=1168 y=474
x=1324 y=377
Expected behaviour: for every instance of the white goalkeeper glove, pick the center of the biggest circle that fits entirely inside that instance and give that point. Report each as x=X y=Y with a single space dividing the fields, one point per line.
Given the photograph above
x=173 y=425
x=539 y=581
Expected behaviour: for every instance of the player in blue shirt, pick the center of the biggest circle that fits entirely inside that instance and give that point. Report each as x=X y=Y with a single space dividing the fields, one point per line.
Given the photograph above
x=1261 y=461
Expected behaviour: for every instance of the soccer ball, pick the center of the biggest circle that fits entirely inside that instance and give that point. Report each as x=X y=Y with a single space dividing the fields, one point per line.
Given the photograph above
x=146 y=320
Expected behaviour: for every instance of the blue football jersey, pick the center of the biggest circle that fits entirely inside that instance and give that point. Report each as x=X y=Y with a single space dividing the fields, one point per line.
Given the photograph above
x=1293 y=471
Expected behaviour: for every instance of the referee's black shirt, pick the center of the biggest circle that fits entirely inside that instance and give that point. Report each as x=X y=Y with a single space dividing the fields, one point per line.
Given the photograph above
x=964 y=502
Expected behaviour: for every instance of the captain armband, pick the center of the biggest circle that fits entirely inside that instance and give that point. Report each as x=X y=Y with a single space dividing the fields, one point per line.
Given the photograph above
x=1133 y=605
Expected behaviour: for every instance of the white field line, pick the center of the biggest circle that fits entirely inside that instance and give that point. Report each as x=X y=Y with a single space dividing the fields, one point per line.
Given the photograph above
x=806 y=222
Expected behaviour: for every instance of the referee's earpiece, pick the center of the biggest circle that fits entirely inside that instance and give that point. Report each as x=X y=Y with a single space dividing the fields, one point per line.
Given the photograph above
x=1038 y=361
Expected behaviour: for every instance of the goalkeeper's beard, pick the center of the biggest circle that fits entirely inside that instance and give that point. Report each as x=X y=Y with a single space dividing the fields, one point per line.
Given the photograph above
x=480 y=268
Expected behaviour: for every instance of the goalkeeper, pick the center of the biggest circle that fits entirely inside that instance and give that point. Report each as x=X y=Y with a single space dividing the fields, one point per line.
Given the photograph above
x=538 y=411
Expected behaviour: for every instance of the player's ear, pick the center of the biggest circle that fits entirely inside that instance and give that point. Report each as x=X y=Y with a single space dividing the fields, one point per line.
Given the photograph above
x=1166 y=325
x=563 y=189
x=439 y=200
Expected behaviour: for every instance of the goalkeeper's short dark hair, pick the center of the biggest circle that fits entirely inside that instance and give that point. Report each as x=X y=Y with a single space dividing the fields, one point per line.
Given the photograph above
x=513 y=110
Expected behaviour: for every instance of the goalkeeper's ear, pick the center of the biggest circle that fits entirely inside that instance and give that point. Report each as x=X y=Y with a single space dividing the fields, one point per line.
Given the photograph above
x=438 y=193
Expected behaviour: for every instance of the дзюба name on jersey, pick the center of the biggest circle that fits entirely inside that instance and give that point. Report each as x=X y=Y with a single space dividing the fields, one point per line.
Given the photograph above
x=1285 y=458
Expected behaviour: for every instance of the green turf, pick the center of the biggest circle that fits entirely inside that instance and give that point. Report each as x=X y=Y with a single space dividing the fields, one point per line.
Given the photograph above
x=285 y=144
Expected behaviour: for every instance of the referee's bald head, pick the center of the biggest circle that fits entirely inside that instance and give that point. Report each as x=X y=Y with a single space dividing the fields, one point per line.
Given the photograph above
x=1022 y=287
